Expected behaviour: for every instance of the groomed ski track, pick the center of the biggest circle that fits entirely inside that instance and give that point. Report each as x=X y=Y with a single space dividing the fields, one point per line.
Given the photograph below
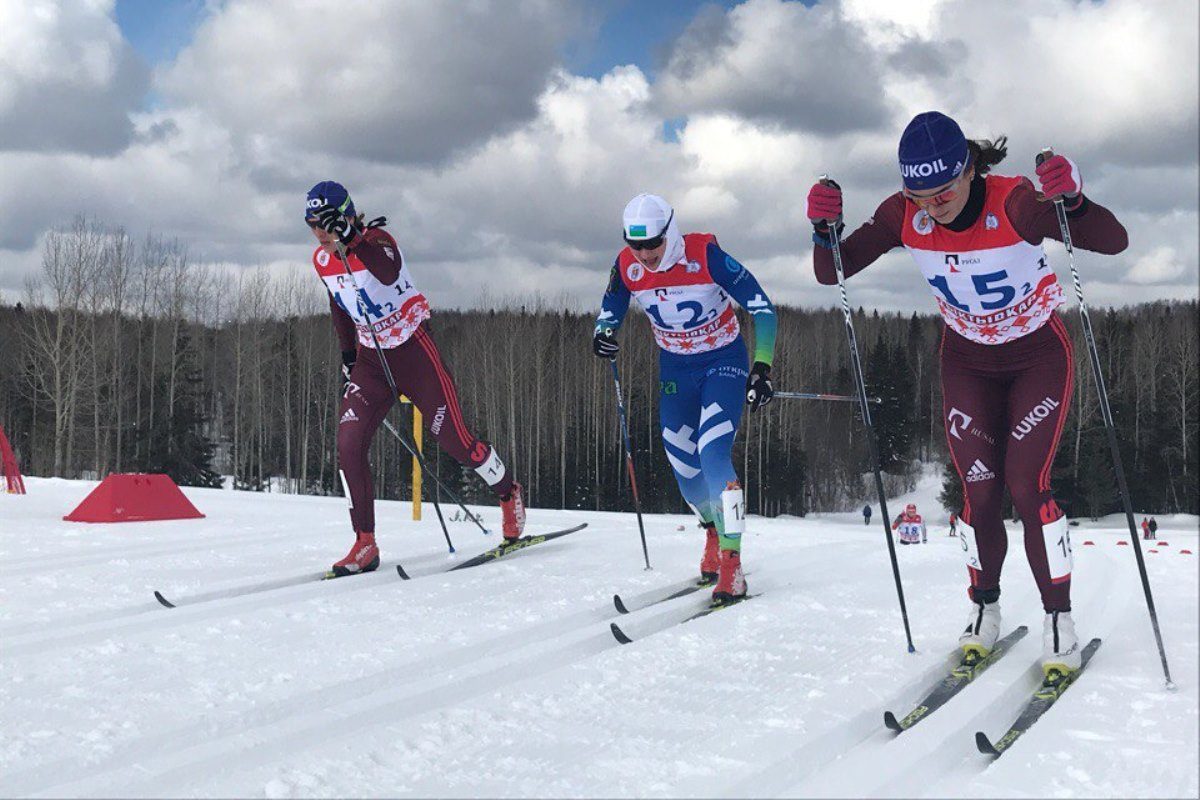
x=504 y=680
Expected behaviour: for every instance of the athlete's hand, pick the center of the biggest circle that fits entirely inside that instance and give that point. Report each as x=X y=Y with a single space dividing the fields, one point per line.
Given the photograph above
x=331 y=220
x=605 y=344
x=348 y=359
x=824 y=203
x=758 y=387
x=1059 y=178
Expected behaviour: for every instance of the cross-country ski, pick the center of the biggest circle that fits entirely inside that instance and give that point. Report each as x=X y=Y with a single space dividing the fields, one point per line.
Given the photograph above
x=1043 y=698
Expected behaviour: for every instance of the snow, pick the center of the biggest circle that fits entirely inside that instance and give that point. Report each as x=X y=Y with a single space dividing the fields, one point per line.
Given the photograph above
x=505 y=681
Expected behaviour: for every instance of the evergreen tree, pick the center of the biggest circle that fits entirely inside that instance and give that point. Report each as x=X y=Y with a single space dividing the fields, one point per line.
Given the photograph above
x=179 y=445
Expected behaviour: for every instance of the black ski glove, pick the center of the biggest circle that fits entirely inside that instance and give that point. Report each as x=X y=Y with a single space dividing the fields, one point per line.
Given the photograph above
x=758 y=386
x=331 y=220
x=348 y=359
x=605 y=344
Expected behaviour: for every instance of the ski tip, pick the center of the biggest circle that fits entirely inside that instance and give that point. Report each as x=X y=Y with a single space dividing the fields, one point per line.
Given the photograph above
x=165 y=602
x=620 y=604
x=619 y=634
x=400 y=571
x=893 y=724
x=985 y=745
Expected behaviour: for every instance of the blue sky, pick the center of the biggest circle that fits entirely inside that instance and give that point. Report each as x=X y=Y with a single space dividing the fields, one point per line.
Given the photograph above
x=158 y=29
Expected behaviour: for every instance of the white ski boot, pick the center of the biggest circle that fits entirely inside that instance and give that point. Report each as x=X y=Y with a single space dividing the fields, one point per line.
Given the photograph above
x=1060 y=646
x=982 y=631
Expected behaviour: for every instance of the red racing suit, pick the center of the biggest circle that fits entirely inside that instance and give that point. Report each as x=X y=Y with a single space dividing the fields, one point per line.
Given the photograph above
x=1006 y=358
x=382 y=296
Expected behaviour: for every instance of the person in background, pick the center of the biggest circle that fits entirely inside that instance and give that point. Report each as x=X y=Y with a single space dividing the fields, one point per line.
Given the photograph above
x=912 y=528
x=1153 y=528
x=867 y=514
x=1145 y=528
x=953 y=524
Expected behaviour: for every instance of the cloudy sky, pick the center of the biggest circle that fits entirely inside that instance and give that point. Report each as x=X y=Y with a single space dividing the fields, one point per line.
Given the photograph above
x=502 y=139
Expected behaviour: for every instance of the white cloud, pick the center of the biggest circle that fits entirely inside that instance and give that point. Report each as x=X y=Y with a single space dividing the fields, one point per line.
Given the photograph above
x=68 y=80
x=806 y=68
x=397 y=81
x=1161 y=265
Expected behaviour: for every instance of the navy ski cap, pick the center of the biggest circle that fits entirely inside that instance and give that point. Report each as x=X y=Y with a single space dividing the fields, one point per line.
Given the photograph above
x=933 y=151
x=329 y=193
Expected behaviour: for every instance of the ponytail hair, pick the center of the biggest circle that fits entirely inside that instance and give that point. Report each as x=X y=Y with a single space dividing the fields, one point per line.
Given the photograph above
x=986 y=154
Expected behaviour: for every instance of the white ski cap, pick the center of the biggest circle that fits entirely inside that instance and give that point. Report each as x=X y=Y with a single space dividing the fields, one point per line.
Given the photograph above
x=646 y=217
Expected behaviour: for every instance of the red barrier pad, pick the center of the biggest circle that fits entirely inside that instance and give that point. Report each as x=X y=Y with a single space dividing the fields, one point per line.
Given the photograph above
x=130 y=497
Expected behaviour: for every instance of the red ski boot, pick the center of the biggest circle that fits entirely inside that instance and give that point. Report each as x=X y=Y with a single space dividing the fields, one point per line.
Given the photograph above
x=731 y=584
x=710 y=565
x=363 y=557
x=513 y=510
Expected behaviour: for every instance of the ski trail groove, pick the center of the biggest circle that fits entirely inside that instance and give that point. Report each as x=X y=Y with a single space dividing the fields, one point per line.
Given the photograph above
x=333 y=700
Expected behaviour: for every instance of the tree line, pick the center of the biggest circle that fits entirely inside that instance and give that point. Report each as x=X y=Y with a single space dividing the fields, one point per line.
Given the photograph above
x=125 y=356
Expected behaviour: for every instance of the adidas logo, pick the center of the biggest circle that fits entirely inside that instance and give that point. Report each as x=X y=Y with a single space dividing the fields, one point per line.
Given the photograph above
x=349 y=416
x=979 y=472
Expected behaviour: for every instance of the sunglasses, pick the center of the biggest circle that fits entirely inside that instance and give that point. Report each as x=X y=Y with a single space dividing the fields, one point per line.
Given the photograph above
x=651 y=244
x=942 y=197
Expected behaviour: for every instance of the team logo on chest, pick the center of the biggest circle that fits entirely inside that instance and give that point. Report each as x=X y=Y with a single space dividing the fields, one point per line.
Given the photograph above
x=323 y=258
x=990 y=222
x=693 y=267
x=922 y=223
x=635 y=272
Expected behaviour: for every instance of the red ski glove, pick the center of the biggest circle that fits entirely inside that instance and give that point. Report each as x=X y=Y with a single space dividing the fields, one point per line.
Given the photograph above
x=824 y=203
x=1059 y=177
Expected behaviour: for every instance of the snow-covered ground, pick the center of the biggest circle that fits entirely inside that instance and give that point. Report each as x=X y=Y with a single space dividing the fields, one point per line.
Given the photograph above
x=505 y=681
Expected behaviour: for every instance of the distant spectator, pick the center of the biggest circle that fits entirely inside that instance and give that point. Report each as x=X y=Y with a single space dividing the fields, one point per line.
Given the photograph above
x=1145 y=528
x=1153 y=528
x=867 y=514
x=953 y=524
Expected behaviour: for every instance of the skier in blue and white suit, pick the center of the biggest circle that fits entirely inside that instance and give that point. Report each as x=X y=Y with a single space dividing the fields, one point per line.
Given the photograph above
x=685 y=283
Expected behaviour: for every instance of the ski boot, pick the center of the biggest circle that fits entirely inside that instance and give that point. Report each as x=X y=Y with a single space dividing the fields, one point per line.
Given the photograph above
x=1060 y=646
x=710 y=564
x=981 y=633
x=731 y=583
x=513 y=510
x=363 y=557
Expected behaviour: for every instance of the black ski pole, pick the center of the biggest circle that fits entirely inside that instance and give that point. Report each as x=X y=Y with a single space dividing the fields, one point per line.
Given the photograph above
x=1109 y=425
x=864 y=406
x=637 y=503
x=845 y=398
x=391 y=381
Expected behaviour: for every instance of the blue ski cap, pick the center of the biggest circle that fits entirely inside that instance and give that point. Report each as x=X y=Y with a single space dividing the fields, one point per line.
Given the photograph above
x=933 y=151
x=329 y=193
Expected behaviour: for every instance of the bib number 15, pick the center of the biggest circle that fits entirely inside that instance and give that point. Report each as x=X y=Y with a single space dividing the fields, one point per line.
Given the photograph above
x=988 y=284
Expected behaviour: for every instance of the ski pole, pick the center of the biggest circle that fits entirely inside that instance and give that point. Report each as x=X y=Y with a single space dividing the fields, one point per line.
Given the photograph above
x=637 y=503
x=1109 y=426
x=816 y=396
x=865 y=408
x=391 y=381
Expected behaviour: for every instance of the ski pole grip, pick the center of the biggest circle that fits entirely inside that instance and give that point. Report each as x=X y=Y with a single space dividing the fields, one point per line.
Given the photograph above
x=825 y=180
x=1047 y=152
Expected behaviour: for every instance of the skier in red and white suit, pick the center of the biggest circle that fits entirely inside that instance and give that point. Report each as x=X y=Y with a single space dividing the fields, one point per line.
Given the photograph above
x=1006 y=357
x=910 y=526
x=382 y=296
